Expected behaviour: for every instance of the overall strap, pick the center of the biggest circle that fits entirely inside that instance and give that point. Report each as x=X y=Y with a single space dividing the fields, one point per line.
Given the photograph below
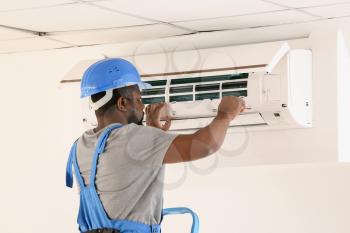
x=101 y=144
x=72 y=161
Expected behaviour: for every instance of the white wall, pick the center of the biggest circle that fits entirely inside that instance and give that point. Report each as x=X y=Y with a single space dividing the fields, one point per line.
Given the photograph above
x=265 y=199
x=38 y=129
x=343 y=95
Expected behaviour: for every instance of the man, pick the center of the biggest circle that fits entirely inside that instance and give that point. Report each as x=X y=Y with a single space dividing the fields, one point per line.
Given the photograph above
x=119 y=165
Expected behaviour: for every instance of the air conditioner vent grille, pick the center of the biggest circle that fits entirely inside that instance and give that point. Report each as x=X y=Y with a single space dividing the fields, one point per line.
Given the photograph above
x=181 y=89
x=208 y=96
x=153 y=100
x=234 y=85
x=153 y=91
x=198 y=88
x=208 y=87
x=156 y=83
x=235 y=93
x=181 y=98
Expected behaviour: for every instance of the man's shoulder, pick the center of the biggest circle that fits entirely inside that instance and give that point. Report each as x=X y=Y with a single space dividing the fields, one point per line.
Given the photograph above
x=133 y=126
x=149 y=131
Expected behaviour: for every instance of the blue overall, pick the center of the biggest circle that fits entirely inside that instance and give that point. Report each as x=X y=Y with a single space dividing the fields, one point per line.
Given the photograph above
x=92 y=215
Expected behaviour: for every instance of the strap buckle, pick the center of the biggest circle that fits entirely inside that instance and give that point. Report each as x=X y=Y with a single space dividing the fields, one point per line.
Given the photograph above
x=155 y=228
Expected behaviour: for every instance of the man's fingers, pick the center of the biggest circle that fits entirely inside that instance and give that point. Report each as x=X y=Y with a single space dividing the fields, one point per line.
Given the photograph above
x=167 y=124
x=151 y=108
x=157 y=108
x=160 y=105
x=153 y=116
x=147 y=109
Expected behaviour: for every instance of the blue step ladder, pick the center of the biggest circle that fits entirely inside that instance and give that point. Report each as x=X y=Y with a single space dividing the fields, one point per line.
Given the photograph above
x=184 y=210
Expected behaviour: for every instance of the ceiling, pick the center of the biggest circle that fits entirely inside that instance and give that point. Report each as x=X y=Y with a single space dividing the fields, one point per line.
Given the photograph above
x=32 y=25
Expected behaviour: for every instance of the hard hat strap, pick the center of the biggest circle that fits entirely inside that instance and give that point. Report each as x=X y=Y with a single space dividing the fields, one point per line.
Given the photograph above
x=108 y=96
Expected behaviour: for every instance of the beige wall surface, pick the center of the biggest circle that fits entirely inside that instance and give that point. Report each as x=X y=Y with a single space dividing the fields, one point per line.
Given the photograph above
x=268 y=199
x=38 y=127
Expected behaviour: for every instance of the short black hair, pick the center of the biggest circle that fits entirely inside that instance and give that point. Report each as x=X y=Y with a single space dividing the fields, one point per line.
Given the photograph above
x=111 y=104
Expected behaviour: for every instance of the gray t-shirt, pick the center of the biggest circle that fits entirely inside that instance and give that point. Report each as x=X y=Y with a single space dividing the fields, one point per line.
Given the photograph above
x=130 y=172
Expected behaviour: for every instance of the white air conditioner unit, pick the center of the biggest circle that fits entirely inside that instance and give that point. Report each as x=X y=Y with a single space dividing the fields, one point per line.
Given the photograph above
x=278 y=94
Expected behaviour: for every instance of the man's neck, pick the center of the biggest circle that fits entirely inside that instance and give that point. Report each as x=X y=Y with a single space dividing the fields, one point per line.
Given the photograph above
x=102 y=124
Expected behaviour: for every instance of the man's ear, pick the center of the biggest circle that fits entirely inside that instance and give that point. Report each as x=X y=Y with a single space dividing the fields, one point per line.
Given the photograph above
x=121 y=104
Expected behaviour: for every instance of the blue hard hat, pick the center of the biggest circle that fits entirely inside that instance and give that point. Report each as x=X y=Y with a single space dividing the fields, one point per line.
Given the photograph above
x=111 y=73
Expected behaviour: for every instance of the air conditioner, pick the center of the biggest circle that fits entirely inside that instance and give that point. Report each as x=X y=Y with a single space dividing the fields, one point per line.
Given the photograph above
x=278 y=94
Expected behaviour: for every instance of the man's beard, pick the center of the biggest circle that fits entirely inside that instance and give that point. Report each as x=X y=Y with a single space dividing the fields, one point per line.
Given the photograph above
x=134 y=119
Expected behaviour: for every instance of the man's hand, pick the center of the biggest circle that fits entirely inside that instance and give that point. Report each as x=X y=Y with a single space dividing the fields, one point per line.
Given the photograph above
x=156 y=112
x=230 y=107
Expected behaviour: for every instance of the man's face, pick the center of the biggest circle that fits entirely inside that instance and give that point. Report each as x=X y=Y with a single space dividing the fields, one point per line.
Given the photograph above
x=136 y=107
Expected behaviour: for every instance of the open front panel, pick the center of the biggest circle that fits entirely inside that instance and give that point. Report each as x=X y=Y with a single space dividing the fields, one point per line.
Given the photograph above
x=251 y=119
